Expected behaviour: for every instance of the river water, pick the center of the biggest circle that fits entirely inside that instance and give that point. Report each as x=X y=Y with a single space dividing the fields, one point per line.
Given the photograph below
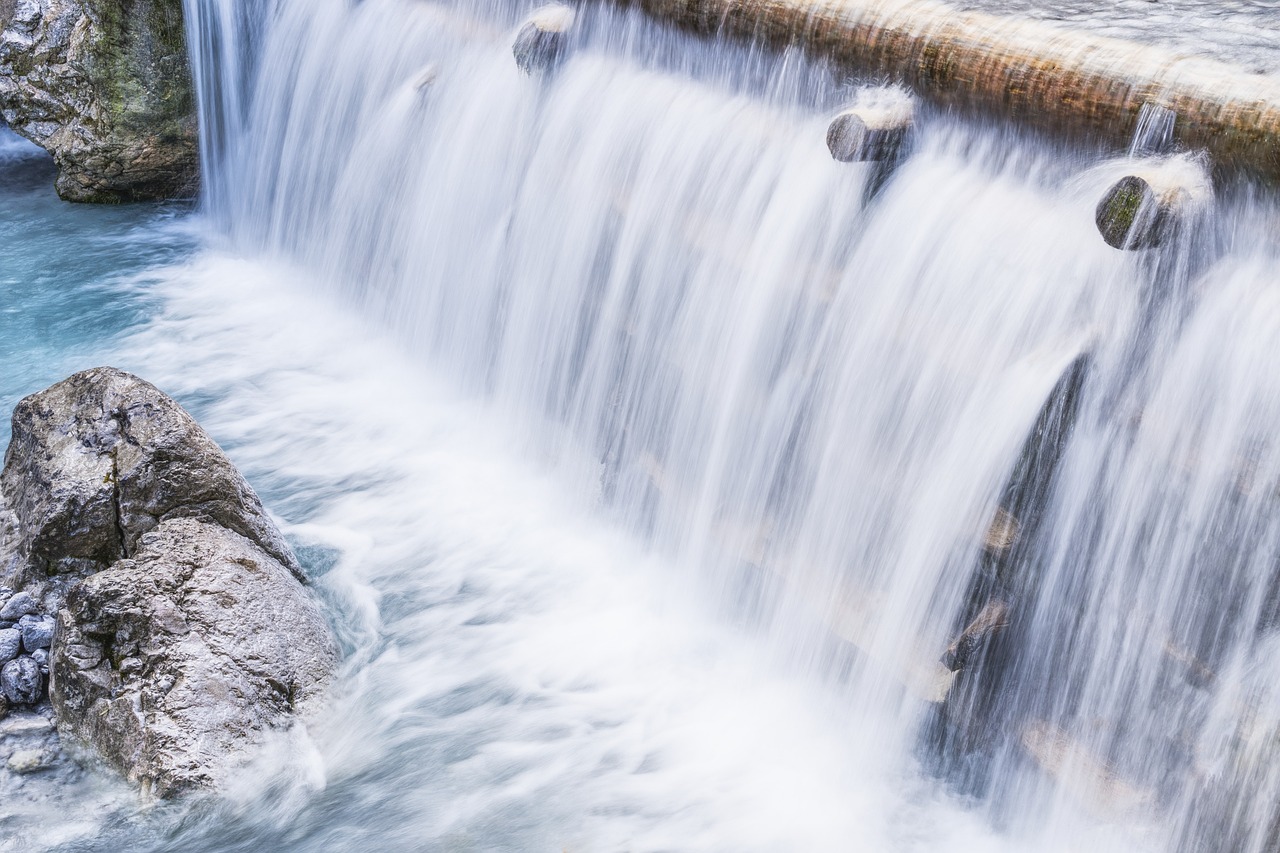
x=1239 y=32
x=644 y=464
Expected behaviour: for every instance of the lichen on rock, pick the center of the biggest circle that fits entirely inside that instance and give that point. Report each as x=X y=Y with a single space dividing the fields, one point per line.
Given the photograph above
x=105 y=87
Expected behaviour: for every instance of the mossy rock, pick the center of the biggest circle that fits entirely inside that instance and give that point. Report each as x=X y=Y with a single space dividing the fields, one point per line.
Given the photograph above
x=105 y=86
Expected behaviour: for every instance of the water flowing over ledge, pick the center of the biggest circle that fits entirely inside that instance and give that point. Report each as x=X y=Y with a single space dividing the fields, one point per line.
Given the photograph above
x=1038 y=75
x=649 y=464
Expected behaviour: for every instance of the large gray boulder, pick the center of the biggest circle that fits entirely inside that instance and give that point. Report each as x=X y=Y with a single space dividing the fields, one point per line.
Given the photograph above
x=172 y=662
x=184 y=631
x=105 y=87
x=103 y=457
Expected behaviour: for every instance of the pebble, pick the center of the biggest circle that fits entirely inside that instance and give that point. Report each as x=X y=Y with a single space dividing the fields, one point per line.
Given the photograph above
x=20 y=681
x=41 y=657
x=22 y=604
x=37 y=632
x=10 y=644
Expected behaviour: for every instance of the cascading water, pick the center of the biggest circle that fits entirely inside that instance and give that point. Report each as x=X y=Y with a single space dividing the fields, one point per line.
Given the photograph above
x=649 y=464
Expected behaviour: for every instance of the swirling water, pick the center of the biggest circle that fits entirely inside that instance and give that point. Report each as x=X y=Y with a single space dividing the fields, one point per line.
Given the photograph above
x=644 y=464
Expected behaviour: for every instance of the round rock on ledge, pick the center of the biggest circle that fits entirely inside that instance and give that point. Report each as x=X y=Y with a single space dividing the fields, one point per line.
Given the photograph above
x=1143 y=209
x=872 y=133
x=540 y=44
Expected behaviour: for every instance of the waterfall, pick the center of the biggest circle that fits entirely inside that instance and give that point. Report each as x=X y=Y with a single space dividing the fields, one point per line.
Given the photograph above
x=819 y=403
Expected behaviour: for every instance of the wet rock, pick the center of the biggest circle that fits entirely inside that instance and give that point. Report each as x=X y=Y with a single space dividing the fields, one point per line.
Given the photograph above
x=105 y=87
x=101 y=458
x=870 y=133
x=37 y=632
x=541 y=42
x=10 y=644
x=1143 y=210
x=28 y=761
x=24 y=725
x=22 y=604
x=21 y=682
x=993 y=618
x=184 y=633
x=204 y=629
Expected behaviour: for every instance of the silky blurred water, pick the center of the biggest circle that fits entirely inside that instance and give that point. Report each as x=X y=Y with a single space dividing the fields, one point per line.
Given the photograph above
x=1243 y=33
x=643 y=462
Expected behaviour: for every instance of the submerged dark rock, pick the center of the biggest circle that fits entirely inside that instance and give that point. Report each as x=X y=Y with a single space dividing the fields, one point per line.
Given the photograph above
x=184 y=632
x=105 y=87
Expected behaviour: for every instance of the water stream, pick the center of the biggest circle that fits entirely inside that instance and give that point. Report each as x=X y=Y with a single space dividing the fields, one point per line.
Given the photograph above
x=645 y=461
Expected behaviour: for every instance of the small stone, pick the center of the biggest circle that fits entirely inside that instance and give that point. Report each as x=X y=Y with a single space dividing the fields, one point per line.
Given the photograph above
x=10 y=644
x=20 y=681
x=27 y=761
x=22 y=604
x=37 y=632
x=41 y=657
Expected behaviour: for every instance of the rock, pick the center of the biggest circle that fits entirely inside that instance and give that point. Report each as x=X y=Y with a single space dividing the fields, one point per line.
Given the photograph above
x=870 y=133
x=184 y=634
x=10 y=644
x=209 y=635
x=1002 y=533
x=24 y=724
x=993 y=618
x=21 y=682
x=1142 y=210
x=22 y=604
x=541 y=42
x=105 y=87
x=101 y=458
x=37 y=632
x=27 y=761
